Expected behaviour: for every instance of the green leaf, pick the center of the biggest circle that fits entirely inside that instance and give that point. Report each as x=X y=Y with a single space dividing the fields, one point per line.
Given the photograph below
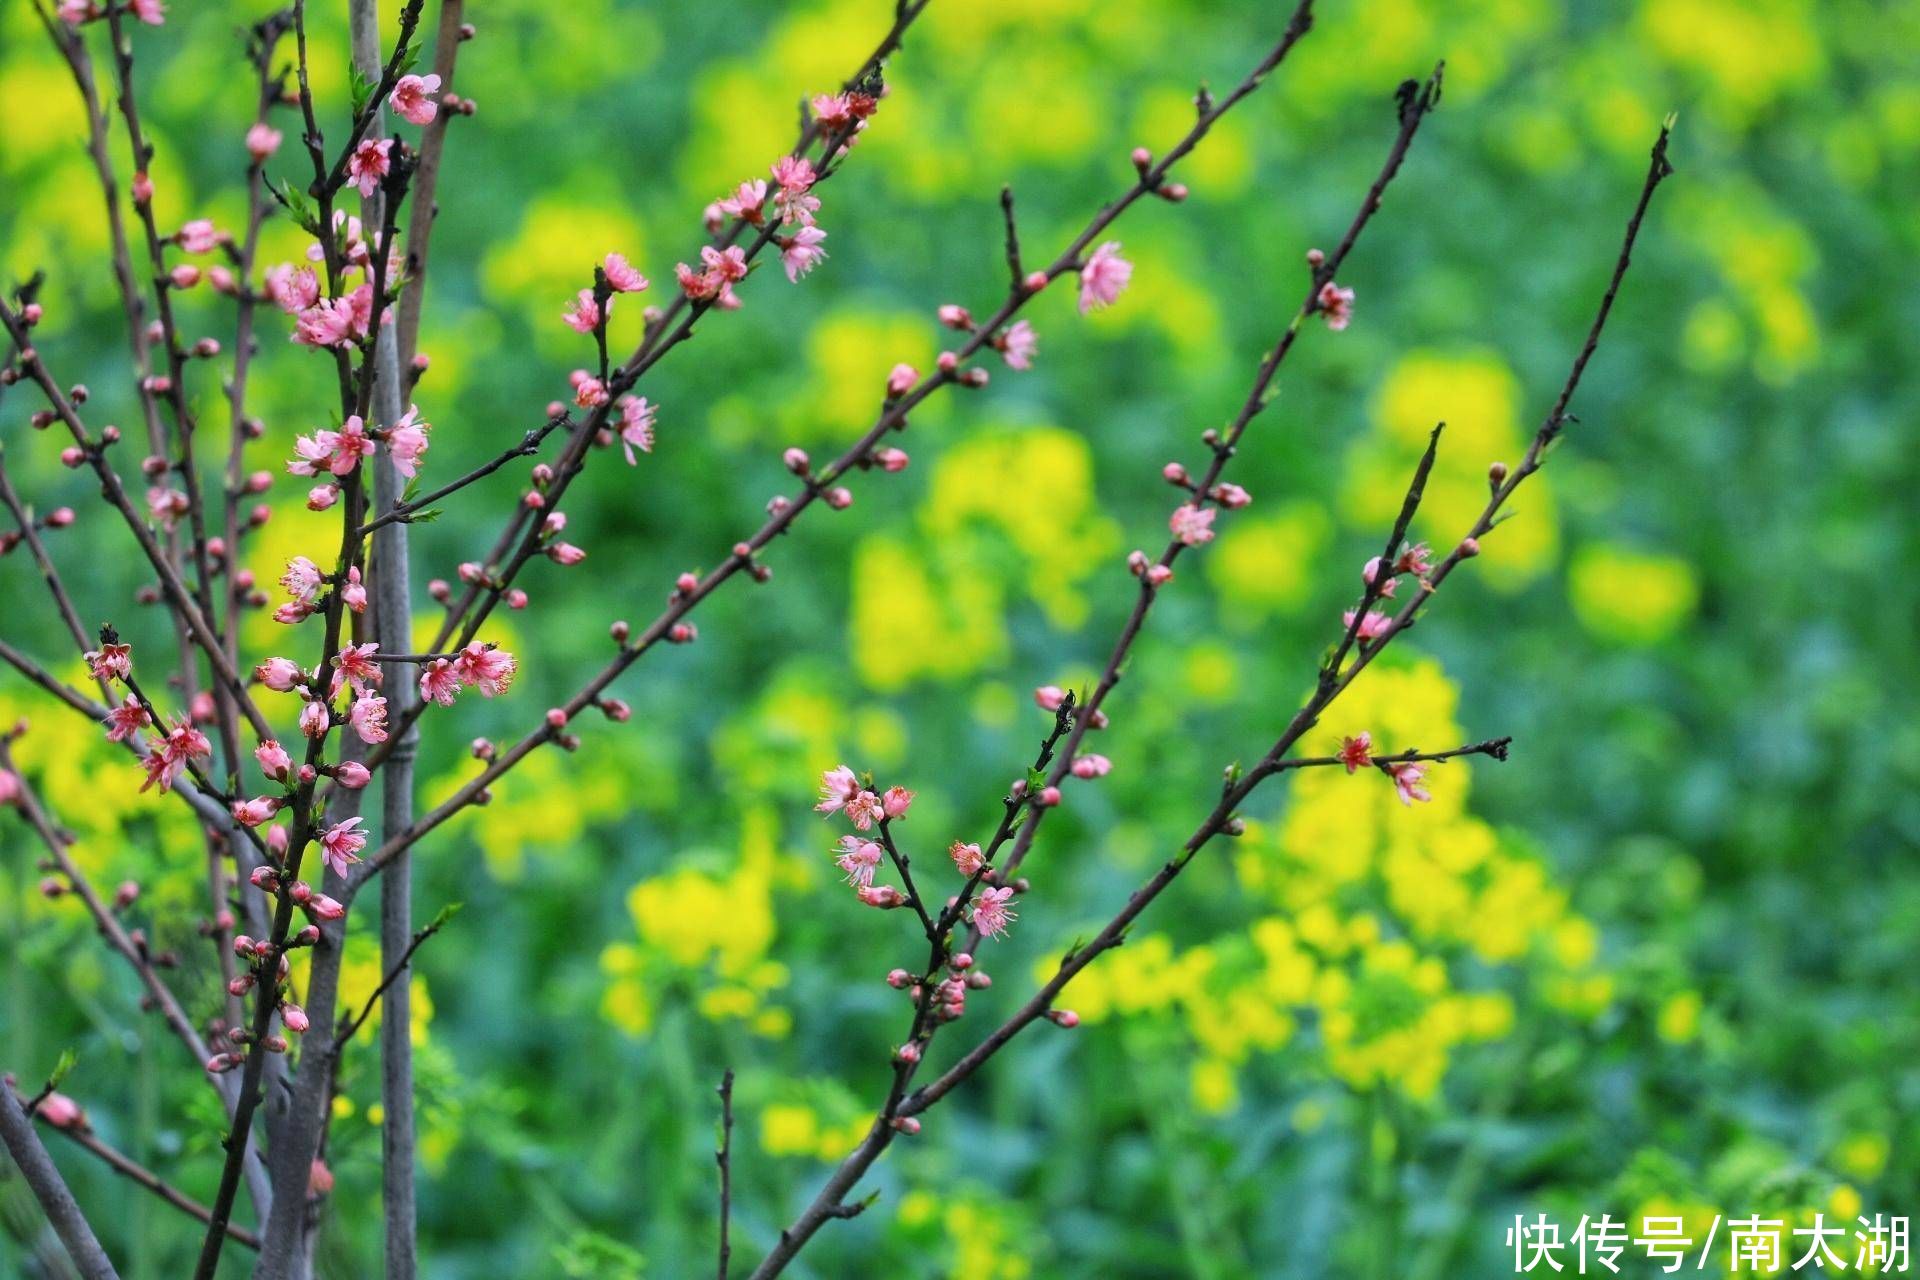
x=424 y=517
x=60 y=1069
x=446 y=913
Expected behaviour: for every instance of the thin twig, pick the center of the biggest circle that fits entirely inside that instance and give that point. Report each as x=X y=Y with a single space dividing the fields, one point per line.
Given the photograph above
x=724 y=1158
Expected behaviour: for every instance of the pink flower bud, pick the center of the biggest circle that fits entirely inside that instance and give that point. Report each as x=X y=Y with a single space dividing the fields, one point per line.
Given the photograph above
x=277 y=841
x=899 y=979
x=1048 y=697
x=516 y=599
x=908 y=1052
x=295 y=1017
x=947 y=362
x=686 y=583
x=556 y=717
x=901 y=379
x=796 y=461
x=1063 y=1018
x=1142 y=158
x=481 y=749
x=839 y=498
x=1035 y=281
x=322 y=496
x=1091 y=766
x=352 y=775
x=683 y=633
x=1048 y=797
x=620 y=631
x=1469 y=548
x=321 y=907
x=908 y=1125
x=184 y=276
x=891 y=459
x=60 y=517
x=1174 y=473
x=72 y=456
x=962 y=961
x=265 y=878
x=1496 y=475
x=883 y=896
x=955 y=316
x=221 y=1063
x=894 y=803
x=1159 y=575
x=240 y=985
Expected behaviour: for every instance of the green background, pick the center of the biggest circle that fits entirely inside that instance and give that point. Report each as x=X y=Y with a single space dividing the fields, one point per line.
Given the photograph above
x=1660 y=962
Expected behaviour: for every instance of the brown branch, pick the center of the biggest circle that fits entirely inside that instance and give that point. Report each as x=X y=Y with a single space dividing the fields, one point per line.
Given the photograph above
x=724 y=1158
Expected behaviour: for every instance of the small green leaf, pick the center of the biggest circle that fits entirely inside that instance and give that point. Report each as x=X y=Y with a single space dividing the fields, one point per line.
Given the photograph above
x=60 y=1069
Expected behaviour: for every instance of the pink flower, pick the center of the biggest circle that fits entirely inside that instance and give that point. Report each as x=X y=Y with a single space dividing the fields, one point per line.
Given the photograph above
x=262 y=141
x=1103 y=276
x=991 y=915
x=1091 y=765
x=864 y=810
x=274 y=760
x=341 y=844
x=1192 y=525
x=1018 y=344
x=1372 y=627
x=439 y=682
x=407 y=441
x=368 y=717
x=795 y=177
x=169 y=755
x=838 y=787
x=151 y=12
x=588 y=391
x=794 y=173
x=622 y=276
x=315 y=719
x=833 y=111
x=1416 y=560
x=369 y=163
x=254 y=812
x=302 y=581
x=413 y=98
x=636 y=425
x=883 y=896
x=357 y=666
x=126 y=720
x=858 y=858
x=75 y=12
x=1406 y=781
x=321 y=907
x=486 y=668
x=747 y=201
x=1357 y=752
x=895 y=802
x=1336 y=304
x=802 y=252
x=325 y=324
x=1231 y=496
x=966 y=857
x=111 y=661
x=197 y=236
x=583 y=313
x=729 y=264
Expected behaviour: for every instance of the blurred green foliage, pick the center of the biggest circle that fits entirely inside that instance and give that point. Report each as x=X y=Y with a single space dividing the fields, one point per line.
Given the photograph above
x=1663 y=958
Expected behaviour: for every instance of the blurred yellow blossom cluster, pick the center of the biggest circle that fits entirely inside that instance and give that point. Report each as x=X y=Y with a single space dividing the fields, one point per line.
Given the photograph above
x=1394 y=936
